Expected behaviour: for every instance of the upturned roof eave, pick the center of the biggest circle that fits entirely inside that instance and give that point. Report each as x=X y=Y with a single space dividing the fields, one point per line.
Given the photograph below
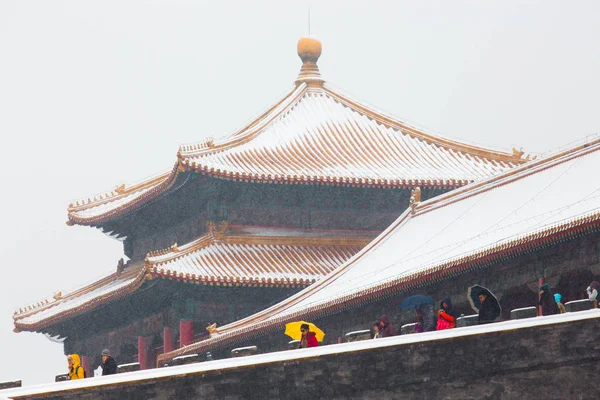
x=159 y=264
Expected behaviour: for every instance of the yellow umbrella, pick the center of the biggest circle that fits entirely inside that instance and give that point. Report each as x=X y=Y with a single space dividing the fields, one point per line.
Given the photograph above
x=292 y=329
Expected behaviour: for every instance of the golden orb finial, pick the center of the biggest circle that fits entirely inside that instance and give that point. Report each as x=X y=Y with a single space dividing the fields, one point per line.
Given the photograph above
x=309 y=50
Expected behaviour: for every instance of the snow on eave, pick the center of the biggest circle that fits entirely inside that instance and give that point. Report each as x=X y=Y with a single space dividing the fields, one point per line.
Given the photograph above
x=507 y=177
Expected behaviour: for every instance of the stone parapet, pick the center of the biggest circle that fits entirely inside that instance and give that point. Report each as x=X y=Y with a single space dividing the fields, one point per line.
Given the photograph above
x=408 y=329
x=244 y=351
x=504 y=360
x=358 y=335
x=128 y=368
x=526 y=312
x=183 y=360
x=8 y=385
x=578 y=305
x=467 y=320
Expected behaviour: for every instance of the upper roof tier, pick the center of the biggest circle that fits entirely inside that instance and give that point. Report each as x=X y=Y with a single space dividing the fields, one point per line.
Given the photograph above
x=316 y=135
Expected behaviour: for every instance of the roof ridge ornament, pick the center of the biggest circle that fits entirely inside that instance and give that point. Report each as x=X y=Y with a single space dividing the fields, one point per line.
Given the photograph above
x=415 y=198
x=518 y=154
x=309 y=50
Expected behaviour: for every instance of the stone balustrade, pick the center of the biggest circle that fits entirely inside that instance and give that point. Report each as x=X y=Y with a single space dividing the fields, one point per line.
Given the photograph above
x=407 y=328
x=358 y=335
x=526 y=312
x=8 y=385
x=128 y=368
x=467 y=320
x=578 y=305
x=244 y=351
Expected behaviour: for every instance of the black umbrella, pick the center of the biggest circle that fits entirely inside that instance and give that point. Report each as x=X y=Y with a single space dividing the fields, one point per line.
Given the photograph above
x=473 y=295
x=415 y=302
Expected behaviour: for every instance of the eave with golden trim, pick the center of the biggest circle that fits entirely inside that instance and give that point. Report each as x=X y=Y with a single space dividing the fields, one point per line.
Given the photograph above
x=227 y=256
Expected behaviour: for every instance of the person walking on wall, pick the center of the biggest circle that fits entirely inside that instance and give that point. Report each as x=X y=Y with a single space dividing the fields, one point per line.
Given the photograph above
x=385 y=328
x=428 y=317
x=559 y=304
x=446 y=315
x=547 y=301
x=418 y=328
x=489 y=309
x=308 y=338
x=592 y=292
x=109 y=365
x=376 y=331
x=76 y=371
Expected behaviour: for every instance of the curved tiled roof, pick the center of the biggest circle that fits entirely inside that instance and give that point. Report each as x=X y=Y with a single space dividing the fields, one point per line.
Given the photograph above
x=320 y=136
x=105 y=290
x=242 y=256
x=251 y=260
x=317 y=135
x=519 y=211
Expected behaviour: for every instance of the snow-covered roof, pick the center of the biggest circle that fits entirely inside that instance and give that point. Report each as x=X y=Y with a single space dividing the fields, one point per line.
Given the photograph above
x=226 y=256
x=243 y=256
x=527 y=207
x=79 y=301
x=296 y=355
x=317 y=135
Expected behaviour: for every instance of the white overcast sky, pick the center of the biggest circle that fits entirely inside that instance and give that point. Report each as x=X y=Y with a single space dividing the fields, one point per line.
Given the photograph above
x=94 y=94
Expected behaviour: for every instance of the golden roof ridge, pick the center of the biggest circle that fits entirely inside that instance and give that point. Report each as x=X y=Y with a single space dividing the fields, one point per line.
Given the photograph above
x=250 y=130
x=119 y=191
x=520 y=172
x=404 y=128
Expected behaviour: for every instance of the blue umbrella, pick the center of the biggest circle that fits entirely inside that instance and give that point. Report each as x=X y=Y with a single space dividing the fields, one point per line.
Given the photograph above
x=415 y=302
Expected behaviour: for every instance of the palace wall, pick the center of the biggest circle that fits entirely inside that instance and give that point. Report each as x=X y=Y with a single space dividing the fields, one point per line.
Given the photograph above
x=560 y=360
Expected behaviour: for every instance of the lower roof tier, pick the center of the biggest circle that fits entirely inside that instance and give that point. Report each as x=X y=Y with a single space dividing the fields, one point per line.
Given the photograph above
x=225 y=256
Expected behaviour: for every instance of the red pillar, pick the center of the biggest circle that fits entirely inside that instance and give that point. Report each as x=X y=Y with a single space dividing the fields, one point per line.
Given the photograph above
x=142 y=352
x=167 y=340
x=87 y=367
x=186 y=332
x=541 y=282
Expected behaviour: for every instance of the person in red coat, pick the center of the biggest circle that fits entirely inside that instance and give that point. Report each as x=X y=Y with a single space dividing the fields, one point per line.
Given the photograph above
x=446 y=315
x=309 y=339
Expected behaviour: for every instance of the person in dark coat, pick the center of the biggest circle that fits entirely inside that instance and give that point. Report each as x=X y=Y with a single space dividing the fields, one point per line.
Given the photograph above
x=489 y=309
x=446 y=315
x=428 y=317
x=385 y=328
x=418 y=328
x=547 y=301
x=109 y=365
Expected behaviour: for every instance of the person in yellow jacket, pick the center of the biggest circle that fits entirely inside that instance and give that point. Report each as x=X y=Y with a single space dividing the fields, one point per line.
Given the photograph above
x=76 y=371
